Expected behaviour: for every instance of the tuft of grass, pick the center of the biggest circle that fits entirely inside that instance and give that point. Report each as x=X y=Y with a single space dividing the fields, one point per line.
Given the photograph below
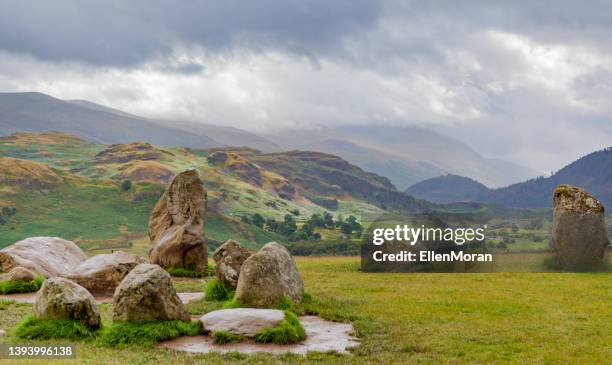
x=124 y=333
x=20 y=286
x=215 y=290
x=185 y=273
x=233 y=304
x=223 y=337
x=34 y=328
x=289 y=330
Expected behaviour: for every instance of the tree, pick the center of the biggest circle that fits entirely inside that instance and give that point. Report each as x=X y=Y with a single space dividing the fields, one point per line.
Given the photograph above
x=258 y=220
x=328 y=220
x=295 y=212
x=126 y=185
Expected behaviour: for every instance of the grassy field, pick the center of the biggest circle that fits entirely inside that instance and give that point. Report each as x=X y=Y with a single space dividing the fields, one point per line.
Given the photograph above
x=514 y=318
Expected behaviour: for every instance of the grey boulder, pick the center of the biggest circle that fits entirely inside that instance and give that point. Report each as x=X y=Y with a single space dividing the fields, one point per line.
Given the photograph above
x=60 y=298
x=229 y=258
x=269 y=276
x=579 y=233
x=146 y=294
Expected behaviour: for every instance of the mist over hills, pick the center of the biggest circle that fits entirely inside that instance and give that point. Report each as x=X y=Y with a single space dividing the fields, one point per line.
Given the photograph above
x=36 y=112
x=406 y=154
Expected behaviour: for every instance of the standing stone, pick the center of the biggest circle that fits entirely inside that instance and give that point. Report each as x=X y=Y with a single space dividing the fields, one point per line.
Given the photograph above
x=48 y=256
x=101 y=274
x=147 y=294
x=579 y=233
x=176 y=225
x=60 y=298
x=268 y=276
x=229 y=258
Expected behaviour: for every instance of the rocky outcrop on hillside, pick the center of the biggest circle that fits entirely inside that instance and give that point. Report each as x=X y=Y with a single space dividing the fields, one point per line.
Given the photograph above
x=269 y=276
x=48 y=256
x=28 y=174
x=176 y=225
x=579 y=233
x=121 y=153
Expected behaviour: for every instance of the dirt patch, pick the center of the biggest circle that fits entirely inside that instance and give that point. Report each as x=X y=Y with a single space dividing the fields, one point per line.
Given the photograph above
x=321 y=336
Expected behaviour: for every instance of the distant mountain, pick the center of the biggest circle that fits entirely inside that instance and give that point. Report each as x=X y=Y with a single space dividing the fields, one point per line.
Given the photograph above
x=592 y=172
x=36 y=112
x=411 y=154
x=447 y=189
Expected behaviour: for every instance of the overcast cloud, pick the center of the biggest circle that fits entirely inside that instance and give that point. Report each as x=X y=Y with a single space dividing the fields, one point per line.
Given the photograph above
x=526 y=81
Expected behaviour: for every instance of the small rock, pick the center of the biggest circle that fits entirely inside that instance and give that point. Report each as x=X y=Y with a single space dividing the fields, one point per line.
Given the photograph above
x=268 y=276
x=60 y=298
x=147 y=294
x=579 y=233
x=241 y=321
x=18 y=274
x=48 y=256
x=101 y=274
x=229 y=258
x=2 y=333
x=176 y=225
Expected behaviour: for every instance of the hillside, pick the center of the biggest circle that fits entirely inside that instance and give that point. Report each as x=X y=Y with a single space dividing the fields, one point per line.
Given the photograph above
x=63 y=185
x=36 y=112
x=592 y=172
x=447 y=189
x=405 y=154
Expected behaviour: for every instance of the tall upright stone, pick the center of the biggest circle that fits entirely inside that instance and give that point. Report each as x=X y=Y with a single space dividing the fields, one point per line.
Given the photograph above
x=176 y=225
x=579 y=233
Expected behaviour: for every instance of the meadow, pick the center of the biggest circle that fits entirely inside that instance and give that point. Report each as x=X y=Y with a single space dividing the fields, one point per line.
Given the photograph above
x=493 y=318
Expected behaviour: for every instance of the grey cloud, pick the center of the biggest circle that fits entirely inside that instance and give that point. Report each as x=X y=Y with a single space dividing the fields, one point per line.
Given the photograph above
x=129 y=32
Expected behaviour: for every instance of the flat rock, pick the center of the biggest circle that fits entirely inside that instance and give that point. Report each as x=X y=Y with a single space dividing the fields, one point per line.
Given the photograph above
x=18 y=274
x=321 y=336
x=147 y=294
x=242 y=321
x=48 y=256
x=101 y=274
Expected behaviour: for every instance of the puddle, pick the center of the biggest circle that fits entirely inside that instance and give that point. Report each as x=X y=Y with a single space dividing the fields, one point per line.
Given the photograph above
x=30 y=297
x=321 y=336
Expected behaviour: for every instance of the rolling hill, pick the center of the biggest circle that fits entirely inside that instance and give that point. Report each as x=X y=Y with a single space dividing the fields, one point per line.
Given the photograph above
x=406 y=155
x=447 y=189
x=60 y=184
x=36 y=112
x=592 y=172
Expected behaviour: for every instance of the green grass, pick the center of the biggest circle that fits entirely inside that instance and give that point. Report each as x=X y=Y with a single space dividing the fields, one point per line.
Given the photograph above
x=124 y=333
x=289 y=330
x=20 y=286
x=34 y=328
x=215 y=290
x=399 y=318
x=185 y=273
x=223 y=337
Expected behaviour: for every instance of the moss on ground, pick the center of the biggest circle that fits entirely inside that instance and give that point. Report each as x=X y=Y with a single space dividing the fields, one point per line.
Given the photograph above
x=21 y=286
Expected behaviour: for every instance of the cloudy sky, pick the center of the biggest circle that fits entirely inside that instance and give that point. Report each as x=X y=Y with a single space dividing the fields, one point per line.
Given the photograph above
x=526 y=81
